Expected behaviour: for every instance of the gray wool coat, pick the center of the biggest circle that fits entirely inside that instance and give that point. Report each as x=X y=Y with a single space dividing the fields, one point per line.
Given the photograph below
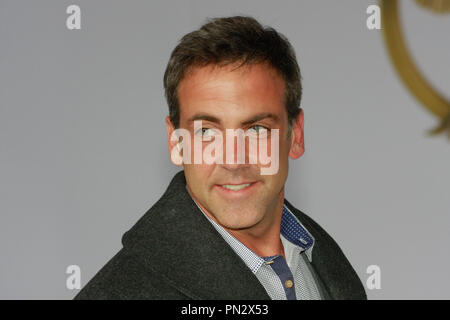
x=173 y=252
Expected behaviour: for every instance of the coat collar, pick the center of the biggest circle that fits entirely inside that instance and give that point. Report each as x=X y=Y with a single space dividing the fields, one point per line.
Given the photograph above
x=174 y=240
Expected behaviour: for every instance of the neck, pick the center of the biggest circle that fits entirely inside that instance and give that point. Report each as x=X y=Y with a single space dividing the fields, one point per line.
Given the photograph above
x=264 y=237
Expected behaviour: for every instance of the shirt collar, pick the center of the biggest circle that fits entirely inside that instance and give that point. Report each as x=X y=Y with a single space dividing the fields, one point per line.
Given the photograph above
x=291 y=229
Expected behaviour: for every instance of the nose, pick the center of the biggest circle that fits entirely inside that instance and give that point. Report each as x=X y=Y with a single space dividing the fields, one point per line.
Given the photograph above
x=236 y=154
x=235 y=167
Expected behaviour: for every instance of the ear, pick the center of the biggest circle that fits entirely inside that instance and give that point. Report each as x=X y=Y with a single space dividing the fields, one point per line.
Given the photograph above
x=171 y=143
x=297 y=147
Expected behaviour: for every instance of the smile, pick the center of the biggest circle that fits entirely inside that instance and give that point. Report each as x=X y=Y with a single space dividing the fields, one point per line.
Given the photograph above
x=236 y=190
x=235 y=187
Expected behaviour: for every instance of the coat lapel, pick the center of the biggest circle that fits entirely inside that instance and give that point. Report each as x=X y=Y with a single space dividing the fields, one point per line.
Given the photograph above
x=174 y=240
x=335 y=273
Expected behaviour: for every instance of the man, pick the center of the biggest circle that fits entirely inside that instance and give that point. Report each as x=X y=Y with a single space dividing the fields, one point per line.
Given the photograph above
x=223 y=229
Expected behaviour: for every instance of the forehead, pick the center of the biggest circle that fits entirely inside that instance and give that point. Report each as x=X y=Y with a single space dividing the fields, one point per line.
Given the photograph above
x=231 y=91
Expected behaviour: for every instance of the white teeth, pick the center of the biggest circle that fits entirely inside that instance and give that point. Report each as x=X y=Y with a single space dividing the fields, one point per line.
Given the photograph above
x=235 y=187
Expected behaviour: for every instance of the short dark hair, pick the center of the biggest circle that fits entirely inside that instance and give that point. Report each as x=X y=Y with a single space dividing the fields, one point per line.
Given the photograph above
x=223 y=41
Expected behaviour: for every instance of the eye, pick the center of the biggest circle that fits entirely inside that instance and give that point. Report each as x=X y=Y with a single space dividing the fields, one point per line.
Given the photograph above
x=207 y=132
x=260 y=129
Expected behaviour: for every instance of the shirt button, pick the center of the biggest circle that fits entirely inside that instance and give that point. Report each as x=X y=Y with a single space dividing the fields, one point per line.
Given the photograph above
x=288 y=283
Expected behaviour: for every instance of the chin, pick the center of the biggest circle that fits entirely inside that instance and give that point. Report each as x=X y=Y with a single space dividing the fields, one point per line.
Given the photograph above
x=239 y=222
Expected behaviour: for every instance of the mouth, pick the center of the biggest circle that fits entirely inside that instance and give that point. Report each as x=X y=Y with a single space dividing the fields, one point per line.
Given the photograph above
x=234 y=190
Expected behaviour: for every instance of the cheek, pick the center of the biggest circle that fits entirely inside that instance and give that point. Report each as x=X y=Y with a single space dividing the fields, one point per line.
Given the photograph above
x=199 y=175
x=279 y=178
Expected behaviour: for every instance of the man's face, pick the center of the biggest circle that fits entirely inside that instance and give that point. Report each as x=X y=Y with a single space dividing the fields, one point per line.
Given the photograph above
x=230 y=96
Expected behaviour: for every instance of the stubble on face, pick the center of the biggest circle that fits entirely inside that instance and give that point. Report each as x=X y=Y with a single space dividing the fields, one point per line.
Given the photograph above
x=233 y=95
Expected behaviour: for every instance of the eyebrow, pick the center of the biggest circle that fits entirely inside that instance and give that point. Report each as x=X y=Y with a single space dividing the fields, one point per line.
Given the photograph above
x=261 y=116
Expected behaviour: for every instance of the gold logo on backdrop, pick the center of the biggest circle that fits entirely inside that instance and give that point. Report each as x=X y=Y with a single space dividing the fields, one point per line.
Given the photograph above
x=405 y=66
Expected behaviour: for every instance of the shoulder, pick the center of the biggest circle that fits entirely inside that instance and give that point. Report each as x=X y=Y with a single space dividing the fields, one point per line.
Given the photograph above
x=330 y=261
x=124 y=277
